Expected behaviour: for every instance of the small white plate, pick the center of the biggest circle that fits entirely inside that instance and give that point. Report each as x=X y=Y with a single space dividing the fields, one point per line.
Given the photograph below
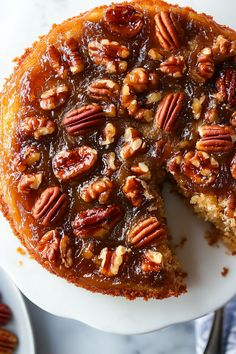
x=20 y=323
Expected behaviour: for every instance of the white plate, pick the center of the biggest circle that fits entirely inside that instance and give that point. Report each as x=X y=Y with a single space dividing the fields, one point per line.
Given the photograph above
x=20 y=323
x=207 y=289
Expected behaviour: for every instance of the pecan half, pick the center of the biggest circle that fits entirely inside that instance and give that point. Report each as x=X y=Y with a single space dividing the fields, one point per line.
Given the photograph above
x=55 y=61
x=205 y=63
x=136 y=191
x=215 y=138
x=53 y=98
x=54 y=248
x=8 y=341
x=71 y=56
x=48 y=245
x=112 y=260
x=169 y=110
x=146 y=232
x=37 y=127
x=226 y=86
x=233 y=167
x=168 y=30
x=99 y=189
x=137 y=82
x=68 y=164
x=199 y=167
x=133 y=145
x=96 y=222
x=173 y=66
x=30 y=182
x=83 y=120
x=5 y=314
x=104 y=90
x=109 y=54
x=124 y=20
x=153 y=261
x=50 y=206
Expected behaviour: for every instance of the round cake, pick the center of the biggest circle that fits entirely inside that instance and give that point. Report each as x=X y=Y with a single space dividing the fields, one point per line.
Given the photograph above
x=96 y=116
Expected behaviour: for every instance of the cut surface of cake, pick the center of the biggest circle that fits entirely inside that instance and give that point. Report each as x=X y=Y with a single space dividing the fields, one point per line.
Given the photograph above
x=96 y=116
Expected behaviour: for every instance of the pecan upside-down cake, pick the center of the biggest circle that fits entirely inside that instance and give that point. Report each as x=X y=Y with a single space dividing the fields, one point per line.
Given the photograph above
x=97 y=114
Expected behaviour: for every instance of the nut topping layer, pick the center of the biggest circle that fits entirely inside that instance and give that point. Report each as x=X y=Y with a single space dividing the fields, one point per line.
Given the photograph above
x=96 y=116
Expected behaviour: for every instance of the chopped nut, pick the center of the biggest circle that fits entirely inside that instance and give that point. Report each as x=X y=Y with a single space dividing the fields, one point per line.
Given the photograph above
x=136 y=82
x=154 y=54
x=109 y=134
x=112 y=260
x=104 y=90
x=88 y=251
x=29 y=182
x=153 y=261
x=233 y=119
x=133 y=144
x=211 y=115
x=99 y=189
x=55 y=60
x=142 y=171
x=110 y=110
x=197 y=106
x=109 y=54
x=72 y=57
x=223 y=48
x=54 y=97
x=136 y=191
x=28 y=157
x=205 y=63
x=154 y=97
x=48 y=246
x=173 y=66
x=37 y=126
x=66 y=252
x=110 y=163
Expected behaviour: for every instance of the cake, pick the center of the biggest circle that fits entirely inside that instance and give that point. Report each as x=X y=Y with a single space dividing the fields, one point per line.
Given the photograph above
x=100 y=112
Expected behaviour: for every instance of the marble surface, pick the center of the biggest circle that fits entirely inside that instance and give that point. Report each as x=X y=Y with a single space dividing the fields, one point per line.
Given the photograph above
x=20 y=24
